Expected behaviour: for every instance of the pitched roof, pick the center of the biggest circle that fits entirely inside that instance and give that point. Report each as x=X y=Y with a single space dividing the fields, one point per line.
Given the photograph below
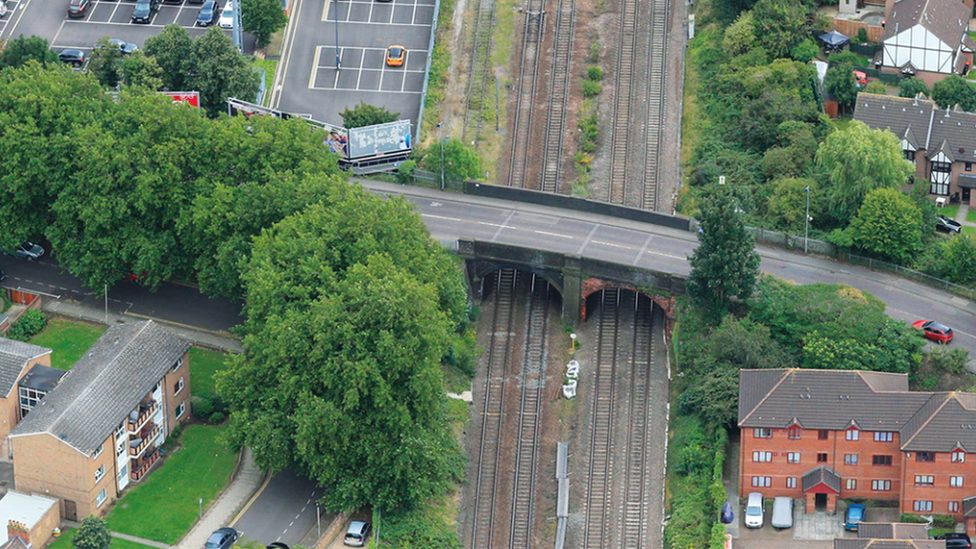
x=15 y=543
x=969 y=507
x=118 y=371
x=892 y=530
x=948 y=20
x=13 y=357
x=821 y=475
x=953 y=131
x=950 y=426
x=857 y=543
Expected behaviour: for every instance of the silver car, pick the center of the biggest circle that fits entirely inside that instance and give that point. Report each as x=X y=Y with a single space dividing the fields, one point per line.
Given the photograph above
x=357 y=533
x=29 y=251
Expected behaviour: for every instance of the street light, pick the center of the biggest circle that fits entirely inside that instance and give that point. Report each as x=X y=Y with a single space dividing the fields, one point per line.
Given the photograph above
x=440 y=135
x=335 y=11
x=806 y=234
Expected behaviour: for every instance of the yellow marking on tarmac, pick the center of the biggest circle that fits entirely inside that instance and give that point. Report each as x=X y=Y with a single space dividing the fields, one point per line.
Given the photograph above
x=21 y=16
x=315 y=67
x=267 y=479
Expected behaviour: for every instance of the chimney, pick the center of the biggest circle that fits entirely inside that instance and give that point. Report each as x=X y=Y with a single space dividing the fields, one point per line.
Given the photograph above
x=915 y=102
x=18 y=530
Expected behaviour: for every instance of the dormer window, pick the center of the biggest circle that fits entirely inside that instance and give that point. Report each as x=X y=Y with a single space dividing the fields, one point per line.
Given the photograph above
x=794 y=432
x=853 y=434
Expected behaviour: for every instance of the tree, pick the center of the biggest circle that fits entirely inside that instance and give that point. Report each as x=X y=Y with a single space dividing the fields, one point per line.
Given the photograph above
x=140 y=70
x=910 y=87
x=725 y=264
x=740 y=37
x=365 y=114
x=173 y=51
x=220 y=71
x=857 y=160
x=953 y=259
x=788 y=203
x=805 y=50
x=20 y=50
x=262 y=18
x=841 y=84
x=888 y=224
x=92 y=534
x=351 y=306
x=780 y=25
x=106 y=63
x=876 y=86
x=460 y=162
x=954 y=90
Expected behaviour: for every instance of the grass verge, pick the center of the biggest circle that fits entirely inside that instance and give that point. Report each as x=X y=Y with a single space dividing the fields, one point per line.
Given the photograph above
x=204 y=364
x=269 y=66
x=164 y=507
x=64 y=542
x=440 y=65
x=68 y=339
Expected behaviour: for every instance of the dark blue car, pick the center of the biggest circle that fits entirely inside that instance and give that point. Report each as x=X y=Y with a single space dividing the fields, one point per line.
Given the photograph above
x=854 y=517
x=208 y=14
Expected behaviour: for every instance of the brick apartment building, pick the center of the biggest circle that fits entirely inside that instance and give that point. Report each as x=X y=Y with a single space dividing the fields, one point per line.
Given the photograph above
x=828 y=434
x=16 y=360
x=100 y=427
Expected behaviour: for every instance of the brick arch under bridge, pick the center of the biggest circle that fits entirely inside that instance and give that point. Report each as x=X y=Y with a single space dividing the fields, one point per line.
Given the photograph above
x=667 y=303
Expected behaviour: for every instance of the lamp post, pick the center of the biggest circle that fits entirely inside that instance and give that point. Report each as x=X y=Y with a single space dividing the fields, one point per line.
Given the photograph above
x=440 y=135
x=806 y=233
x=335 y=10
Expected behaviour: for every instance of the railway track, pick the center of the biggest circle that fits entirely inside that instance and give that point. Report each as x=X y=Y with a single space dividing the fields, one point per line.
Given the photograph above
x=623 y=101
x=635 y=504
x=530 y=416
x=478 y=72
x=532 y=33
x=601 y=430
x=558 y=94
x=657 y=74
x=489 y=449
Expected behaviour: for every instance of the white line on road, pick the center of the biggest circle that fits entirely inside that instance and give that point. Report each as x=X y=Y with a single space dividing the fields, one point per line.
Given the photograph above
x=315 y=67
x=611 y=244
x=554 y=234
x=643 y=249
x=587 y=241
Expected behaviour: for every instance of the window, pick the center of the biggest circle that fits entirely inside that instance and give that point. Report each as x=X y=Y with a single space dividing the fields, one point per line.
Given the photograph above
x=881 y=485
x=179 y=386
x=924 y=480
x=925 y=456
x=955 y=482
x=851 y=484
x=791 y=482
x=123 y=471
x=156 y=386
x=762 y=457
x=180 y=409
x=969 y=166
x=850 y=459
x=99 y=473
x=821 y=458
x=909 y=155
x=28 y=400
x=761 y=482
x=794 y=433
x=922 y=505
x=822 y=434
x=941 y=174
x=884 y=436
x=178 y=364
x=953 y=506
x=101 y=498
x=760 y=432
x=853 y=434
x=959 y=457
x=793 y=457
x=881 y=460
x=98 y=452
x=120 y=431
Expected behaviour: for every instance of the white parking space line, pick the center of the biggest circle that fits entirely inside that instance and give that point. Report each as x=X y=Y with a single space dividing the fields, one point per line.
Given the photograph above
x=413 y=14
x=359 y=76
x=382 y=71
x=370 y=18
x=403 y=81
x=315 y=68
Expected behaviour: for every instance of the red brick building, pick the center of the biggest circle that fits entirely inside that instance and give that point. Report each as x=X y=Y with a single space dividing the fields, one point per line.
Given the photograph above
x=828 y=434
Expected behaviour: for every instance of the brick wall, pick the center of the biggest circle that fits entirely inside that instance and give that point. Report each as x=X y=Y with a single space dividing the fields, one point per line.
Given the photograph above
x=941 y=492
x=174 y=399
x=10 y=406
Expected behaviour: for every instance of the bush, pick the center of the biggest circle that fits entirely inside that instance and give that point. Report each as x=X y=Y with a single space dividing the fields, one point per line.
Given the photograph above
x=405 y=170
x=594 y=52
x=862 y=35
x=217 y=417
x=717 y=541
x=28 y=325
x=876 y=86
x=910 y=87
x=203 y=408
x=591 y=88
x=948 y=361
x=594 y=73
x=911 y=518
x=944 y=521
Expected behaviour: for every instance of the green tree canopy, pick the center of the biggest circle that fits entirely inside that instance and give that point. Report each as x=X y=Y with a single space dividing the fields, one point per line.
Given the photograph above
x=365 y=114
x=787 y=204
x=22 y=49
x=740 y=37
x=460 y=162
x=173 y=51
x=106 y=63
x=954 y=90
x=92 y=534
x=262 y=18
x=841 y=84
x=140 y=70
x=725 y=263
x=780 y=25
x=888 y=224
x=959 y=259
x=910 y=87
x=856 y=161
x=805 y=51
x=220 y=71
x=876 y=86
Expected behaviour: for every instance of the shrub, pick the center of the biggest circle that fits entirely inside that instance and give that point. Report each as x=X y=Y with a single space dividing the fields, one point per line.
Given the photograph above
x=28 y=325
x=862 y=35
x=591 y=88
x=948 y=361
x=717 y=540
x=217 y=417
x=405 y=170
x=876 y=86
x=594 y=52
x=944 y=521
x=594 y=73
x=910 y=87
x=911 y=518
x=203 y=408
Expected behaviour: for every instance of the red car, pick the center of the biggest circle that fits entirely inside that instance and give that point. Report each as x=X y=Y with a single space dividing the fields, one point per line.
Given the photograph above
x=934 y=331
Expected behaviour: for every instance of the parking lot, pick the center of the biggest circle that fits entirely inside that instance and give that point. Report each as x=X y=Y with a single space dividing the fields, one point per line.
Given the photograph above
x=365 y=70
x=12 y=8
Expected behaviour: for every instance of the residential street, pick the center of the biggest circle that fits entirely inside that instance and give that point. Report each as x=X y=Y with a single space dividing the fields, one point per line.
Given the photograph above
x=285 y=512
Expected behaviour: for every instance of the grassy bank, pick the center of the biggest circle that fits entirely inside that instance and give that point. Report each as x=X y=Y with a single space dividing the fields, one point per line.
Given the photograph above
x=68 y=339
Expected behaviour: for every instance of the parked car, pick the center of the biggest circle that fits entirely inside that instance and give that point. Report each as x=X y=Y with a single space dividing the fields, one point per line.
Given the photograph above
x=29 y=251
x=208 y=14
x=754 y=511
x=3 y=9
x=357 y=533
x=854 y=516
x=934 y=331
x=395 y=55
x=956 y=541
x=72 y=56
x=782 y=513
x=78 y=8
x=222 y=538
x=144 y=11
x=945 y=224
x=226 y=20
x=124 y=47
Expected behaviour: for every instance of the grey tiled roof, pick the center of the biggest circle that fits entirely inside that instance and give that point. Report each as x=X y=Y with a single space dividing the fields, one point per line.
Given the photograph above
x=892 y=530
x=946 y=19
x=13 y=356
x=930 y=126
x=969 y=507
x=952 y=425
x=118 y=371
x=821 y=475
x=857 y=543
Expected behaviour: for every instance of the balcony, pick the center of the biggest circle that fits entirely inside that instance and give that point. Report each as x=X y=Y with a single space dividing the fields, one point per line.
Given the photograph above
x=143 y=465
x=138 y=446
x=146 y=411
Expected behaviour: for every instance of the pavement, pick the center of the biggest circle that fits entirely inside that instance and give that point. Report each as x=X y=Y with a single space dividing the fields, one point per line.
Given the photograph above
x=961 y=215
x=285 y=511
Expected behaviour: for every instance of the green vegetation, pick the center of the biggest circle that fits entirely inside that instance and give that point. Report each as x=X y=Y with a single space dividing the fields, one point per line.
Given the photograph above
x=589 y=123
x=365 y=114
x=270 y=66
x=27 y=326
x=952 y=210
x=204 y=365
x=92 y=534
x=67 y=534
x=460 y=161
x=68 y=339
x=200 y=468
x=954 y=90
x=440 y=64
x=264 y=18
x=22 y=49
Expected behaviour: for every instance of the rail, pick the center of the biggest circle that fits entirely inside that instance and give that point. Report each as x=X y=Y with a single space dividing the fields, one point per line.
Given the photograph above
x=635 y=504
x=622 y=102
x=532 y=34
x=657 y=80
x=558 y=94
x=478 y=72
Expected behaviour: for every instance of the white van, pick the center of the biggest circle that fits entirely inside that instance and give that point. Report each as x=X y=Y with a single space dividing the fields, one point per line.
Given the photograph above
x=782 y=513
x=754 y=511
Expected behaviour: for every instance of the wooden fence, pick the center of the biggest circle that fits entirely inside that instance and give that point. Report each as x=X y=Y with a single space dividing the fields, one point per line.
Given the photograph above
x=850 y=29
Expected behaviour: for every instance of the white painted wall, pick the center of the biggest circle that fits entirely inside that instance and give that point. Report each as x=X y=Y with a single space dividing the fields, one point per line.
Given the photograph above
x=921 y=47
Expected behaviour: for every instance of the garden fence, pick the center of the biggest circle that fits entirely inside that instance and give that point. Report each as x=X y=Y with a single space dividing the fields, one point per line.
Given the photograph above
x=877 y=265
x=423 y=178
x=792 y=242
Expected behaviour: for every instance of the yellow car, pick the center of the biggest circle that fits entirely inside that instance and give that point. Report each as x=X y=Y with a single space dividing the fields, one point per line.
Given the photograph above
x=395 y=55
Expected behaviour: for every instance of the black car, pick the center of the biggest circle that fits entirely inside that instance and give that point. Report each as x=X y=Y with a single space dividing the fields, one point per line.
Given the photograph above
x=956 y=541
x=124 y=47
x=945 y=224
x=73 y=56
x=144 y=10
x=222 y=538
x=78 y=8
x=208 y=14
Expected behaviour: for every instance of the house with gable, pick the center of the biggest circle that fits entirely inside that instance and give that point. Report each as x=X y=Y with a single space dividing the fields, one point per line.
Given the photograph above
x=927 y=39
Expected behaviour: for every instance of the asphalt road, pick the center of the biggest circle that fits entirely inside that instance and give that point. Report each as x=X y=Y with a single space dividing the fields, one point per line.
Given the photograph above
x=284 y=511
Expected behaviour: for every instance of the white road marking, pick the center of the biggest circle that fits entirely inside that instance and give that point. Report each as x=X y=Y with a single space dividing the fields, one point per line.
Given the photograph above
x=315 y=68
x=611 y=244
x=587 y=241
x=554 y=234
x=643 y=248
